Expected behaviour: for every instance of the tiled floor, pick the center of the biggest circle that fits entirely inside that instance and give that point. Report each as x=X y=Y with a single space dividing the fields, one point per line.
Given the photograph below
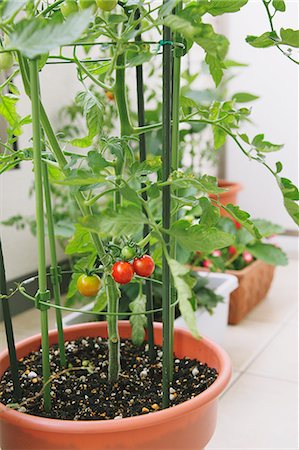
x=259 y=409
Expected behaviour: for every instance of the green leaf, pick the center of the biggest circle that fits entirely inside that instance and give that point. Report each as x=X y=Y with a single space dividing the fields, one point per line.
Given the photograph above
x=138 y=322
x=268 y=253
x=267 y=228
x=79 y=243
x=243 y=218
x=9 y=113
x=139 y=58
x=117 y=18
x=264 y=146
x=244 y=97
x=290 y=196
x=215 y=67
x=289 y=37
x=63 y=229
x=218 y=7
x=267 y=39
x=279 y=5
x=210 y=214
x=34 y=37
x=206 y=184
x=200 y=237
x=126 y=221
x=129 y=194
x=167 y=8
x=244 y=138
x=101 y=300
x=279 y=167
x=184 y=294
x=72 y=289
x=80 y=177
x=146 y=167
x=96 y=161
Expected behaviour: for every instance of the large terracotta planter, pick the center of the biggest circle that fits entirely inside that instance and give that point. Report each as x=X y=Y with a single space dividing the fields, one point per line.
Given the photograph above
x=189 y=425
x=254 y=283
x=229 y=196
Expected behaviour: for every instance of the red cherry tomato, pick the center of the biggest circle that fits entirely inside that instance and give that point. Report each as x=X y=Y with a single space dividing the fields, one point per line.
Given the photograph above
x=207 y=263
x=88 y=285
x=232 y=250
x=144 y=266
x=247 y=257
x=122 y=272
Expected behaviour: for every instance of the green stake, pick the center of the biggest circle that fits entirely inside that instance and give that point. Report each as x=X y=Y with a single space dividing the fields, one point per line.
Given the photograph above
x=55 y=270
x=142 y=156
x=43 y=293
x=17 y=393
x=166 y=204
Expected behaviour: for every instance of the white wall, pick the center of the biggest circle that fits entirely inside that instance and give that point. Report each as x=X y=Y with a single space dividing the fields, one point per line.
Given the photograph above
x=275 y=79
x=20 y=247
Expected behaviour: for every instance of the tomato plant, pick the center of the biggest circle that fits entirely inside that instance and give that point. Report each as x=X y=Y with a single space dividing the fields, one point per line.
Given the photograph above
x=106 y=5
x=6 y=61
x=69 y=7
x=128 y=252
x=89 y=285
x=122 y=272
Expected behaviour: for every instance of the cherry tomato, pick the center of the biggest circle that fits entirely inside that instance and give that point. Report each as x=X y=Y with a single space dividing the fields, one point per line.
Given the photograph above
x=109 y=95
x=84 y=4
x=122 y=272
x=232 y=250
x=69 y=7
x=144 y=266
x=237 y=224
x=6 y=61
x=128 y=252
x=106 y=5
x=247 y=257
x=207 y=263
x=88 y=285
x=216 y=253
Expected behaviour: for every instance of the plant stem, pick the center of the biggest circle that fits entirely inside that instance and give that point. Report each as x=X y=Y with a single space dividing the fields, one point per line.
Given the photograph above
x=55 y=275
x=121 y=96
x=175 y=165
x=142 y=157
x=42 y=277
x=166 y=208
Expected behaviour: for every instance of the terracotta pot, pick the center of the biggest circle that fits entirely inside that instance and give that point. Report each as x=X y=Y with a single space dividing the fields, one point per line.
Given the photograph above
x=229 y=196
x=189 y=425
x=254 y=283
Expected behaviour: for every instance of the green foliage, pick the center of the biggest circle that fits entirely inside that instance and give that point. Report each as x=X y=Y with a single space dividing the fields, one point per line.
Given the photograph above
x=34 y=37
x=289 y=37
x=138 y=322
x=244 y=97
x=279 y=5
x=101 y=301
x=268 y=253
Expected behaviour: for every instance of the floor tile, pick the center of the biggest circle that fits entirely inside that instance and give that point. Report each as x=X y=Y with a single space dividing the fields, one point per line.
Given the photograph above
x=279 y=358
x=257 y=413
x=245 y=340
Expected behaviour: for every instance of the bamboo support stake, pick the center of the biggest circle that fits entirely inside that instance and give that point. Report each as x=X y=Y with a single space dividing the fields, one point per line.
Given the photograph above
x=55 y=270
x=42 y=277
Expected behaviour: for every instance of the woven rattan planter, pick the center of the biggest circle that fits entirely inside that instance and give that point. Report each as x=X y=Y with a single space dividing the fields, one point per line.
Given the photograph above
x=254 y=283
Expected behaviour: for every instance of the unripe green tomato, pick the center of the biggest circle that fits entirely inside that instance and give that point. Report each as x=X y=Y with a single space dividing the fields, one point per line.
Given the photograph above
x=106 y=5
x=128 y=253
x=84 y=4
x=69 y=7
x=6 y=61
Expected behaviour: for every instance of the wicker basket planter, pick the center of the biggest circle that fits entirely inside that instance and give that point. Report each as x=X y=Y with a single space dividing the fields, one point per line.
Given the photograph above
x=254 y=283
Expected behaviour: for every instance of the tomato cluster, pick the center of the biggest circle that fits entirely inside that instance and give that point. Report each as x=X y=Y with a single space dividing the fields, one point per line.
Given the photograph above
x=123 y=271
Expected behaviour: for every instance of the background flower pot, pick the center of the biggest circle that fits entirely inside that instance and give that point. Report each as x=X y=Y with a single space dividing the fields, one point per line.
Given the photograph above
x=254 y=283
x=189 y=425
x=214 y=325
x=230 y=196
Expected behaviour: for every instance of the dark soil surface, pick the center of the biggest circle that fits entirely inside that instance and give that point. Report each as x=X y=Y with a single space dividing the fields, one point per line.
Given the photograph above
x=82 y=392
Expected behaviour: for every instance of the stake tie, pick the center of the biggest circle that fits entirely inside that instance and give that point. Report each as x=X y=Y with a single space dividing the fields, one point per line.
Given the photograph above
x=44 y=297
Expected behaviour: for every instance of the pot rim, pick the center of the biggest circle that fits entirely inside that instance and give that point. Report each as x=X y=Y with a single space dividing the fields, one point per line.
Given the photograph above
x=237 y=273
x=231 y=186
x=126 y=423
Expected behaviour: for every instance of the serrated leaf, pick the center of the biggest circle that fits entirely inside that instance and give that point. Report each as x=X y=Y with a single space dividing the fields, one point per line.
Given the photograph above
x=244 y=97
x=265 y=40
x=216 y=68
x=268 y=253
x=289 y=37
x=184 y=295
x=35 y=37
x=79 y=177
x=9 y=113
x=210 y=214
x=267 y=228
x=200 y=237
x=218 y=7
x=79 y=243
x=279 y=5
x=243 y=218
x=96 y=161
x=138 y=322
x=126 y=221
